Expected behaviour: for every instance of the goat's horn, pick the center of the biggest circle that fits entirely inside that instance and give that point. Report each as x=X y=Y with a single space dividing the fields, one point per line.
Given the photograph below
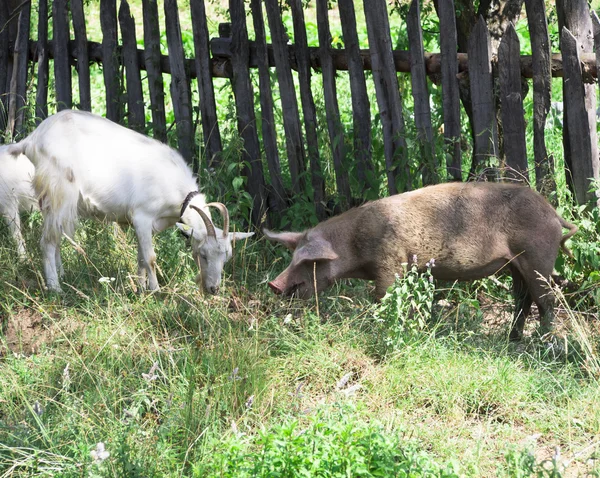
x=210 y=228
x=225 y=213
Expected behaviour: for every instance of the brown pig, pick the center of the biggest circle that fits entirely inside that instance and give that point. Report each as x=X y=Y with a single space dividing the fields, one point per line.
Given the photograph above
x=472 y=230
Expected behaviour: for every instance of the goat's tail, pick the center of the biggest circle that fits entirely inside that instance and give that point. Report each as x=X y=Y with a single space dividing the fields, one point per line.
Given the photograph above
x=58 y=192
x=572 y=230
x=15 y=149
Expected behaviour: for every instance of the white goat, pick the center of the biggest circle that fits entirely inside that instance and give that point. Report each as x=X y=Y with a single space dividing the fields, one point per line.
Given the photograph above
x=16 y=193
x=87 y=165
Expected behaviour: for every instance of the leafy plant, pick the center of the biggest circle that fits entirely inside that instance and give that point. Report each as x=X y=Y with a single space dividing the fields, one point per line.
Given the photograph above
x=406 y=307
x=332 y=444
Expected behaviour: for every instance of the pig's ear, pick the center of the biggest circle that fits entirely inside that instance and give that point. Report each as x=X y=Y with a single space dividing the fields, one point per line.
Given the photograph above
x=288 y=239
x=315 y=250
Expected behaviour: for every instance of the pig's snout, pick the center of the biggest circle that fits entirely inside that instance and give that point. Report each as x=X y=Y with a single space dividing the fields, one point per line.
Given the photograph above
x=275 y=288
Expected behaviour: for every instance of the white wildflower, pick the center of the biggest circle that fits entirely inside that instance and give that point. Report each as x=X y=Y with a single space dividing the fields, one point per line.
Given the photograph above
x=99 y=454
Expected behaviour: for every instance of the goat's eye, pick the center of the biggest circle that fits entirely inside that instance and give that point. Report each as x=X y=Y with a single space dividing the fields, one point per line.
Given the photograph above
x=203 y=257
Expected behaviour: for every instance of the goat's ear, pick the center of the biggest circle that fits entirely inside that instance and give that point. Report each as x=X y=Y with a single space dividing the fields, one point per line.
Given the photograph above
x=238 y=236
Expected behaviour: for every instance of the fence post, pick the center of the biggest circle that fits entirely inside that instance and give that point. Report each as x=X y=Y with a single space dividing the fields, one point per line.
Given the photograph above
x=110 y=59
x=244 y=99
x=575 y=16
x=418 y=76
x=450 y=88
x=208 y=106
x=278 y=196
x=308 y=107
x=332 y=110
x=81 y=51
x=388 y=94
x=62 y=67
x=152 y=60
x=511 y=105
x=18 y=81
x=135 y=98
x=361 y=108
x=583 y=163
x=180 y=84
x=291 y=114
x=41 y=94
x=482 y=99
x=542 y=85
x=4 y=69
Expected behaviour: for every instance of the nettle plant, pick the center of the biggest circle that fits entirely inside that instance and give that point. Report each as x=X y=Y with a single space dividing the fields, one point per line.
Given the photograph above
x=405 y=309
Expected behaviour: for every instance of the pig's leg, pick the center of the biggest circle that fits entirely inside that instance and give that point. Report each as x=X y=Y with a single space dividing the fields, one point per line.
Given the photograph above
x=383 y=280
x=537 y=276
x=523 y=302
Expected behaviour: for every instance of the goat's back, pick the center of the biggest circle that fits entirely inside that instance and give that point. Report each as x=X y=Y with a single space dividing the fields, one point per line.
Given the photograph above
x=109 y=169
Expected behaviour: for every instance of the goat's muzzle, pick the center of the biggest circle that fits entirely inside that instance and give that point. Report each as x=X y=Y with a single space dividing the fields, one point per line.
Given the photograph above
x=214 y=290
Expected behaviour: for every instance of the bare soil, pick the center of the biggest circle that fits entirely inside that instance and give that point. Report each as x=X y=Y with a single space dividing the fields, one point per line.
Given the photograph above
x=27 y=330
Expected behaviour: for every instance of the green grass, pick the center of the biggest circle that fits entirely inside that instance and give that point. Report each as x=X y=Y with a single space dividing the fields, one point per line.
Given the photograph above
x=249 y=384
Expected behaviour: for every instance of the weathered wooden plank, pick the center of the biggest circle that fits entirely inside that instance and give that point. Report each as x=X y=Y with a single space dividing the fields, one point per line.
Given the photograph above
x=62 y=68
x=277 y=198
x=180 y=86
x=18 y=83
x=81 y=52
x=575 y=16
x=152 y=62
x=135 y=97
x=244 y=99
x=289 y=103
x=542 y=86
x=420 y=93
x=388 y=96
x=584 y=164
x=596 y=27
x=361 y=108
x=221 y=66
x=450 y=87
x=308 y=107
x=511 y=104
x=41 y=94
x=208 y=106
x=111 y=59
x=484 y=112
x=332 y=110
x=4 y=69
x=433 y=61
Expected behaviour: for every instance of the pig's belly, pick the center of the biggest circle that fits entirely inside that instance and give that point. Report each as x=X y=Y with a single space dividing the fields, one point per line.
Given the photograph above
x=465 y=271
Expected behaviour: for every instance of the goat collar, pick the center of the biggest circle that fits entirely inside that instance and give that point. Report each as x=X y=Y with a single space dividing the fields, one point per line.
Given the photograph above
x=187 y=200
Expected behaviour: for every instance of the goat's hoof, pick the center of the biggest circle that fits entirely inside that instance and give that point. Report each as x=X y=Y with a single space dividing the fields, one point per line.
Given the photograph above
x=54 y=290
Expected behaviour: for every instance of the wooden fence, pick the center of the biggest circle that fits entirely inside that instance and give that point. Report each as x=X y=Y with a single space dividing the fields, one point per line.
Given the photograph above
x=494 y=85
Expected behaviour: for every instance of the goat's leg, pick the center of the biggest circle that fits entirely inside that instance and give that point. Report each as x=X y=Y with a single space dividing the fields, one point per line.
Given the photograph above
x=58 y=261
x=142 y=275
x=14 y=228
x=146 y=255
x=50 y=251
